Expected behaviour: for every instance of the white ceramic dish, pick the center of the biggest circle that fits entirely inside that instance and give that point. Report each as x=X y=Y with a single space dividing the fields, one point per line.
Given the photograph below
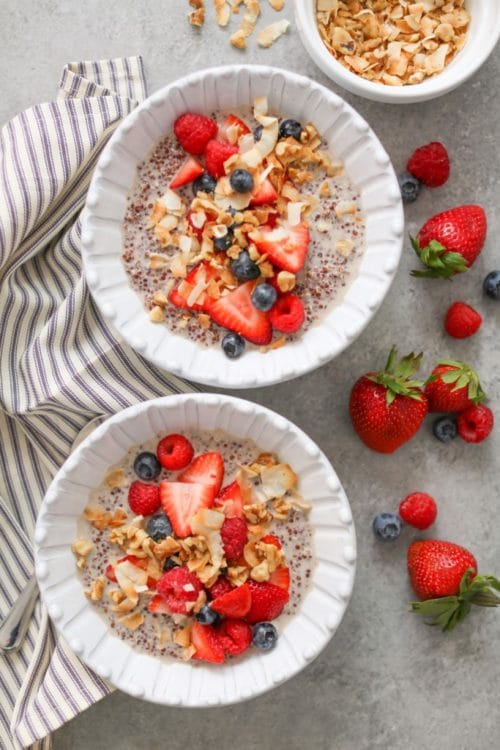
x=222 y=88
x=484 y=32
x=176 y=682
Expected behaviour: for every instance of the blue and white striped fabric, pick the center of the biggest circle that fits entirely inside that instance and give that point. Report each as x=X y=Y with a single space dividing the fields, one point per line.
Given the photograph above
x=60 y=364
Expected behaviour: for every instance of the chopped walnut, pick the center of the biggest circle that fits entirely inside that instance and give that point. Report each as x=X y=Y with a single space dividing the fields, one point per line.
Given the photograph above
x=81 y=548
x=115 y=478
x=96 y=591
x=238 y=574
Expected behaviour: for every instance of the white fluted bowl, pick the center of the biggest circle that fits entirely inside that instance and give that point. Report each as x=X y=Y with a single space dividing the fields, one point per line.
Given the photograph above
x=348 y=136
x=175 y=682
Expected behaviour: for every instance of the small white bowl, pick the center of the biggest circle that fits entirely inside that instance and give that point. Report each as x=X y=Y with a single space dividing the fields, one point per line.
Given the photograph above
x=484 y=32
x=348 y=136
x=174 y=682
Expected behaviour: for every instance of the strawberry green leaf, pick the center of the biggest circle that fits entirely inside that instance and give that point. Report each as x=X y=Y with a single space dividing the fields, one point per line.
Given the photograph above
x=397 y=377
x=440 y=263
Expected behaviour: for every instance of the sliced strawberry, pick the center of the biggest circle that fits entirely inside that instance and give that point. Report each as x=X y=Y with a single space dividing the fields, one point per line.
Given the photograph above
x=189 y=171
x=236 y=312
x=286 y=246
x=268 y=601
x=281 y=578
x=230 y=501
x=237 y=126
x=236 y=603
x=206 y=469
x=178 y=296
x=207 y=644
x=271 y=539
x=110 y=573
x=235 y=636
x=191 y=219
x=221 y=586
x=265 y=194
x=182 y=500
x=159 y=606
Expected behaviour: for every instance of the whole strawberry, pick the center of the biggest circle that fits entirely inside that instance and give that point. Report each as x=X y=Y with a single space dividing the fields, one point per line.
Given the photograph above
x=444 y=575
x=453 y=386
x=387 y=408
x=430 y=164
x=450 y=242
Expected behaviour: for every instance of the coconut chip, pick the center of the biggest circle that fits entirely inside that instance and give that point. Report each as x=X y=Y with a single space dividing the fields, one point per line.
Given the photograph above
x=252 y=12
x=223 y=12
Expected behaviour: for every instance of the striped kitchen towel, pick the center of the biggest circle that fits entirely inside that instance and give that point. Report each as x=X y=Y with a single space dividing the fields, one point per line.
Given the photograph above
x=61 y=365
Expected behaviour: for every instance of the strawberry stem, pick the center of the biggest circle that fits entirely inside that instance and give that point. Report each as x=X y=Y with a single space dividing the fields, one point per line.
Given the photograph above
x=447 y=611
x=440 y=263
x=397 y=377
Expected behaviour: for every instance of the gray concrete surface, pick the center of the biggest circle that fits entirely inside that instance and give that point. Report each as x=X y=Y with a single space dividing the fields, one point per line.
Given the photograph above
x=386 y=681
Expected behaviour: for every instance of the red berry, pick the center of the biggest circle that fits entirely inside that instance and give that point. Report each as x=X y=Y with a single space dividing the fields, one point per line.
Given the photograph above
x=174 y=452
x=271 y=539
x=235 y=636
x=144 y=499
x=286 y=246
x=216 y=153
x=287 y=314
x=234 y=535
x=207 y=469
x=268 y=601
x=418 y=510
x=475 y=423
x=194 y=131
x=453 y=386
x=430 y=164
x=462 y=321
x=220 y=587
x=207 y=644
x=234 y=603
x=179 y=587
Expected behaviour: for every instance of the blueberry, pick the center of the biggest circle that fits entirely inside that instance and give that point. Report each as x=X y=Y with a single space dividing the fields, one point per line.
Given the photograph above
x=169 y=564
x=290 y=128
x=265 y=636
x=264 y=296
x=244 y=268
x=241 y=181
x=257 y=133
x=206 y=616
x=159 y=527
x=233 y=345
x=147 y=466
x=445 y=429
x=205 y=183
x=223 y=243
x=387 y=527
x=491 y=285
x=410 y=187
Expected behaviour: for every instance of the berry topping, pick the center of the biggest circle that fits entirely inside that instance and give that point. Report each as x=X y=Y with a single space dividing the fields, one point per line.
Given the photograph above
x=264 y=296
x=236 y=312
x=290 y=129
x=207 y=616
x=224 y=243
x=147 y=466
x=235 y=636
x=234 y=603
x=216 y=153
x=491 y=285
x=205 y=183
x=453 y=386
x=221 y=586
x=206 y=469
x=286 y=246
x=234 y=536
x=159 y=527
x=271 y=539
x=257 y=133
x=194 y=131
x=264 y=194
x=268 y=601
x=410 y=187
x=241 y=181
x=230 y=499
x=174 y=452
x=189 y=171
x=264 y=636
x=179 y=587
x=475 y=423
x=181 y=501
x=144 y=499
x=233 y=345
x=170 y=563
x=244 y=268
x=418 y=510
x=462 y=321
x=281 y=578
x=288 y=314
x=235 y=126
x=436 y=568
x=445 y=429
x=158 y=606
x=387 y=527
x=207 y=643
x=430 y=164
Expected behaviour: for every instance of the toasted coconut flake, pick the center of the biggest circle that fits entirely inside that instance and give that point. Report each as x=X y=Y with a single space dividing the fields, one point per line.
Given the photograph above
x=277 y=480
x=295 y=213
x=82 y=547
x=344 y=247
x=132 y=621
x=223 y=12
x=277 y=4
x=272 y=33
x=157 y=261
x=157 y=314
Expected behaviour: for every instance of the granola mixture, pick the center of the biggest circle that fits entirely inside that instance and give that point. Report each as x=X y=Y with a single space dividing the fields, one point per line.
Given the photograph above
x=393 y=42
x=121 y=564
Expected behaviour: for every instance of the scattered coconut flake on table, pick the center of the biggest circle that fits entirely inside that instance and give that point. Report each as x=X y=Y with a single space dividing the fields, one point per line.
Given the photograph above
x=271 y=33
x=224 y=9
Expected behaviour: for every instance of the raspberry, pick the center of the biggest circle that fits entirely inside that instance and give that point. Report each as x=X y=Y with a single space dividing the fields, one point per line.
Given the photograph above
x=235 y=636
x=220 y=587
x=144 y=499
x=462 y=321
x=174 y=452
x=475 y=423
x=418 y=510
x=287 y=315
x=430 y=164
x=194 y=131
x=234 y=536
x=216 y=153
x=179 y=587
